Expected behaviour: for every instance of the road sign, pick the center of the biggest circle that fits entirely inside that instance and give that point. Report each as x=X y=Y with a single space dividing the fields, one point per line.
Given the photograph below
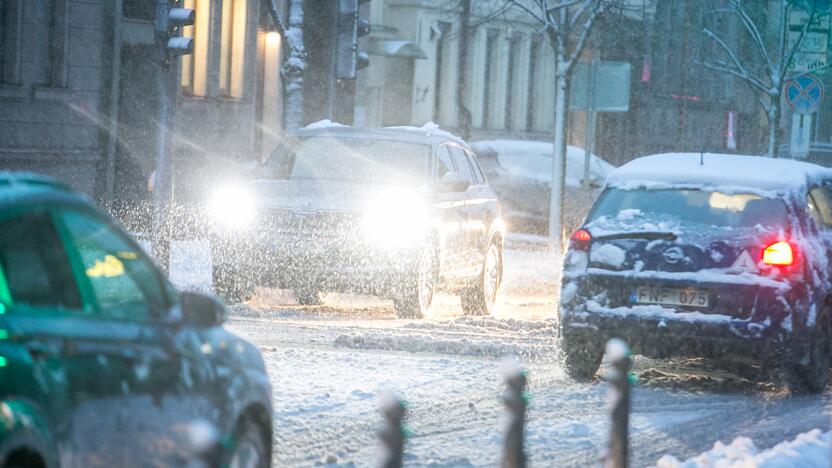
x=812 y=53
x=611 y=90
x=804 y=93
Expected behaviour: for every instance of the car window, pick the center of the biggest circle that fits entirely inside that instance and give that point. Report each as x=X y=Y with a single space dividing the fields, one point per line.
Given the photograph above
x=472 y=159
x=34 y=263
x=820 y=207
x=124 y=284
x=444 y=162
x=462 y=164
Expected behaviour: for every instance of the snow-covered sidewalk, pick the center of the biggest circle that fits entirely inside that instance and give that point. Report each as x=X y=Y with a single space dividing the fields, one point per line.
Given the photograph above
x=810 y=449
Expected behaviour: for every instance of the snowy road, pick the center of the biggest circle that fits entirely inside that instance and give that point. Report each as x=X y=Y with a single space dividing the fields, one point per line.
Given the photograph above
x=329 y=363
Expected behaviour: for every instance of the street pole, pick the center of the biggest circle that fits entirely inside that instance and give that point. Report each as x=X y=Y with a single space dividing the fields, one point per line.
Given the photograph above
x=166 y=87
x=590 y=120
x=463 y=114
x=294 y=67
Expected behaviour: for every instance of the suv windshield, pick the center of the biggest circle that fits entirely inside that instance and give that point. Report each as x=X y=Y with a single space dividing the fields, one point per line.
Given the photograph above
x=691 y=206
x=363 y=160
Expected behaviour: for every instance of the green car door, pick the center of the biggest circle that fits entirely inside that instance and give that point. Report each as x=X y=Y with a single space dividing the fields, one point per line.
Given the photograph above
x=164 y=378
x=54 y=362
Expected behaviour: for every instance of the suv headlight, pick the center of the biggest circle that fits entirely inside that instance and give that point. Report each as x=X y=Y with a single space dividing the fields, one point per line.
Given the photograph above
x=232 y=206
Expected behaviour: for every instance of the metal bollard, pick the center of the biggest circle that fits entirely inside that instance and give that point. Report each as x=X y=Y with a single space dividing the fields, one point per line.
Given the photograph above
x=392 y=434
x=514 y=398
x=618 y=354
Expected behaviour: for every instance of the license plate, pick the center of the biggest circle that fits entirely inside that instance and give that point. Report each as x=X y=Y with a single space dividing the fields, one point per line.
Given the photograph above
x=671 y=296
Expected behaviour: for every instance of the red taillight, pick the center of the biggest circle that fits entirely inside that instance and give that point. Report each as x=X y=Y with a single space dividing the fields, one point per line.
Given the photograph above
x=580 y=240
x=779 y=253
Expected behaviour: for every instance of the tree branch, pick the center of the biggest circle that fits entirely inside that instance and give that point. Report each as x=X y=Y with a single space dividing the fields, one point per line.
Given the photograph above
x=739 y=73
x=754 y=32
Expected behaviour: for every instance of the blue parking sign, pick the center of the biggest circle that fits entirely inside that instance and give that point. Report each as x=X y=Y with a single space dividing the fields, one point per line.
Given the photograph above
x=804 y=93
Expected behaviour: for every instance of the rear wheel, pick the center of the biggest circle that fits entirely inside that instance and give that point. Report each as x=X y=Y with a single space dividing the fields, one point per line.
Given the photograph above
x=581 y=358
x=248 y=449
x=479 y=298
x=811 y=374
x=230 y=285
x=416 y=294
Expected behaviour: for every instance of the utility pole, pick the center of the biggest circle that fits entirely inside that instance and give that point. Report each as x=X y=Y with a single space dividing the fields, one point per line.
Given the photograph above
x=463 y=114
x=169 y=46
x=294 y=67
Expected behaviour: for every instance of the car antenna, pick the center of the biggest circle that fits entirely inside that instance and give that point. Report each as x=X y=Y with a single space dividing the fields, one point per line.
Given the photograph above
x=701 y=158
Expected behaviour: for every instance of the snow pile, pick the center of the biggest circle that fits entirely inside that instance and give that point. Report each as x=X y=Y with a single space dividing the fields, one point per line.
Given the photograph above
x=609 y=254
x=430 y=129
x=533 y=160
x=810 y=449
x=724 y=172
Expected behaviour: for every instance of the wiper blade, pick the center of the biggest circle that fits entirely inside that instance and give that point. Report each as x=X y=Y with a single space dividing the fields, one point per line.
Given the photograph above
x=649 y=235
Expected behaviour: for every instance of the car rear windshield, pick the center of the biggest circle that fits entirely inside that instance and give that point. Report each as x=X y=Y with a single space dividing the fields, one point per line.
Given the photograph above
x=363 y=160
x=692 y=206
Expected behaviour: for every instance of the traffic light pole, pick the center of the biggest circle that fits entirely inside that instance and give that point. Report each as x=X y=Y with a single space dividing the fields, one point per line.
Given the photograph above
x=163 y=174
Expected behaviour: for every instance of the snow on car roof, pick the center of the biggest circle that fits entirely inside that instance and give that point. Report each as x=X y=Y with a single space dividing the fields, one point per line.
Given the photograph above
x=533 y=160
x=726 y=172
x=429 y=129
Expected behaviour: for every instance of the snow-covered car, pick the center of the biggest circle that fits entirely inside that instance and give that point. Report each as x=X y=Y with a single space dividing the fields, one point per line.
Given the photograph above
x=716 y=256
x=520 y=172
x=396 y=212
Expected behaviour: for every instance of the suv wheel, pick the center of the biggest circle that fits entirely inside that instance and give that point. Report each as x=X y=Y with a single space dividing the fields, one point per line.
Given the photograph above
x=581 y=358
x=230 y=285
x=308 y=297
x=479 y=299
x=248 y=448
x=416 y=294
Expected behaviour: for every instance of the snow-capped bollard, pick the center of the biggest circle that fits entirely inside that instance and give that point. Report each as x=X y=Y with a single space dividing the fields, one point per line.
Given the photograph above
x=514 y=398
x=392 y=433
x=618 y=399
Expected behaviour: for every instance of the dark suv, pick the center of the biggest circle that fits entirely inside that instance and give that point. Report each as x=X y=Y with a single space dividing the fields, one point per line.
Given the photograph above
x=102 y=362
x=394 y=212
x=717 y=256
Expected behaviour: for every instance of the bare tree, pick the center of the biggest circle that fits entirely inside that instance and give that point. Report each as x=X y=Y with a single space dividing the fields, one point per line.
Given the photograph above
x=766 y=70
x=567 y=25
x=294 y=67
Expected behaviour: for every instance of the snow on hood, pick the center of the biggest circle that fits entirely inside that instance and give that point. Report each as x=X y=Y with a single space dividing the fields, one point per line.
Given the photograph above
x=724 y=172
x=307 y=195
x=533 y=160
x=311 y=195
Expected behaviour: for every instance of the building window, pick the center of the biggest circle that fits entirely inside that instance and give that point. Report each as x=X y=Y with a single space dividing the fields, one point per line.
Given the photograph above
x=533 y=85
x=270 y=103
x=233 y=47
x=195 y=66
x=58 y=42
x=492 y=52
x=515 y=44
x=11 y=21
x=440 y=82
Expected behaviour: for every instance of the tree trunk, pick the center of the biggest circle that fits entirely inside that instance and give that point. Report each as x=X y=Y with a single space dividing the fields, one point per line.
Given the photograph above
x=558 y=155
x=294 y=67
x=773 y=125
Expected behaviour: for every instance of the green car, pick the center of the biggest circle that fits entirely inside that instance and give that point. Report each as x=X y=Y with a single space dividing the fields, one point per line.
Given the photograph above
x=102 y=361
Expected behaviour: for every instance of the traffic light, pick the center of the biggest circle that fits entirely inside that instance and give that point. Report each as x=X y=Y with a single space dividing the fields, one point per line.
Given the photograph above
x=178 y=45
x=350 y=26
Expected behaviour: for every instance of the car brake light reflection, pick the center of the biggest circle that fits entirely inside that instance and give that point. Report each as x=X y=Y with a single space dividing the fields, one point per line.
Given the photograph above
x=779 y=253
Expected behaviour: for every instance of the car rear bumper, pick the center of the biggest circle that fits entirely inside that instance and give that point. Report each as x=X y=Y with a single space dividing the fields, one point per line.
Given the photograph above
x=663 y=337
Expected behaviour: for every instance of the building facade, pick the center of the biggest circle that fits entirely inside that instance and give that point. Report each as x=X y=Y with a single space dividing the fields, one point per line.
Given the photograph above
x=413 y=75
x=79 y=98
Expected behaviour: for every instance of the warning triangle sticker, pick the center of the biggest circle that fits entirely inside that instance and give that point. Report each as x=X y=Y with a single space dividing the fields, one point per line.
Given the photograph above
x=745 y=263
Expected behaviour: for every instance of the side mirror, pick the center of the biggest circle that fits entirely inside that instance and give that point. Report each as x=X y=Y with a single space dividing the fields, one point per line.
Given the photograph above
x=202 y=310
x=454 y=182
